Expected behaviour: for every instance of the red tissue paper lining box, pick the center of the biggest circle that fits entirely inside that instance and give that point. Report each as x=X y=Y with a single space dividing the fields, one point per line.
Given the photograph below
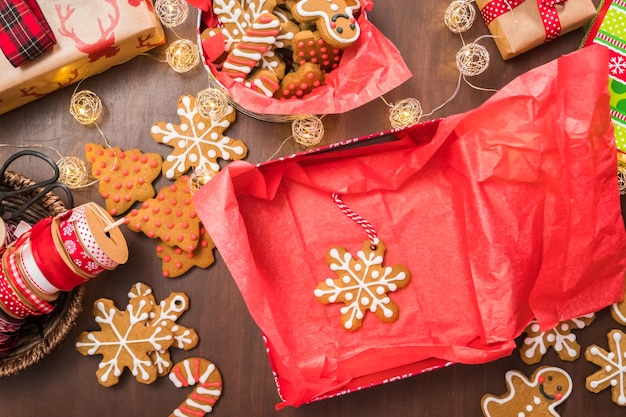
x=503 y=214
x=368 y=69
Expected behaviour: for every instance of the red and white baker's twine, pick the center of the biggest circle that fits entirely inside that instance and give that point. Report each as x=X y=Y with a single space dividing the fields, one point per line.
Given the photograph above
x=547 y=11
x=369 y=229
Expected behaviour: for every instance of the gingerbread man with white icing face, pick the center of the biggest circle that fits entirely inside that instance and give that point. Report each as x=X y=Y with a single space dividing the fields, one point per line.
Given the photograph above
x=334 y=19
x=535 y=397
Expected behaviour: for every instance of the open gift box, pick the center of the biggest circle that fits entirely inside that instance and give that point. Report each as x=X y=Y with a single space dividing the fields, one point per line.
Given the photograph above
x=502 y=214
x=368 y=69
x=91 y=37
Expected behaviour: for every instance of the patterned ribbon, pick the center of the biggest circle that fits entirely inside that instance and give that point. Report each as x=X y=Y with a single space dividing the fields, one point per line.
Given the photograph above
x=24 y=31
x=547 y=11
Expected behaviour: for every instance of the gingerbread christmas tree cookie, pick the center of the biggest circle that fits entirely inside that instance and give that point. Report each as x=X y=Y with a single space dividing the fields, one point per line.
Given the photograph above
x=125 y=176
x=198 y=141
x=170 y=216
x=362 y=284
x=176 y=262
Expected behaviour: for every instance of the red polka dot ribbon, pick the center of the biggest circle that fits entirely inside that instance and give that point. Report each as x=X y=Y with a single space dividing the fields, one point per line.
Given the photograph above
x=547 y=11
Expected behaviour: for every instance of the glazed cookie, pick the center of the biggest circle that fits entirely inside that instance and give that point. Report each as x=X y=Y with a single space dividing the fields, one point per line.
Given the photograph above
x=300 y=83
x=538 y=396
x=176 y=262
x=125 y=176
x=613 y=367
x=170 y=216
x=310 y=47
x=362 y=284
x=198 y=141
x=258 y=40
x=208 y=386
x=333 y=18
x=263 y=81
x=124 y=341
x=618 y=312
x=237 y=19
x=561 y=339
x=165 y=313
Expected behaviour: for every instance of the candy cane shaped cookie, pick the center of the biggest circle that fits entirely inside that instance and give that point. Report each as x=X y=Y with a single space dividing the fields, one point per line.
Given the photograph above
x=208 y=390
x=257 y=41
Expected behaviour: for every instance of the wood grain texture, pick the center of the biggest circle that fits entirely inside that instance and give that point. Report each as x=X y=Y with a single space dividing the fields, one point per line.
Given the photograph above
x=144 y=91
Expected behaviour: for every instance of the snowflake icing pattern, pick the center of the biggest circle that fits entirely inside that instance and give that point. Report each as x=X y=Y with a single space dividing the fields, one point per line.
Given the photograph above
x=617 y=65
x=124 y=341
x=613 y=364
x=561 y=338
x=198 y=141
x=362 y=284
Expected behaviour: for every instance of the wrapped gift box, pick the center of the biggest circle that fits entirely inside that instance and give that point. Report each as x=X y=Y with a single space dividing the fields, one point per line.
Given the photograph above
x=520 y=25
x=91 y=36
x=609 y=29
x=502 y=214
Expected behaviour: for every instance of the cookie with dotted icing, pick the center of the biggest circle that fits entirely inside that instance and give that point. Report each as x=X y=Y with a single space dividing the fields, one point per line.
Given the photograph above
x=301 y=82
x=309 y=46
x=175 y=261
x=612 y=363
x=170 y=216
x=125 y=176
x=537 y=396
x=333 y=18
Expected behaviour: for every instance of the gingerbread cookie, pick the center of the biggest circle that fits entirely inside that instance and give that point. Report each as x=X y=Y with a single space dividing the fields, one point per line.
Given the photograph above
x=176 y=262
x=165 y=314
x=124 y=341
x=236 y=19
x=310 y=47
x=170 y=216
x=362 y=284
x=300 y=83
x=257 y=41
x=561 y=339
x=264 y=81
x=198 y=141
x=333 y=18
x=618 y=312
x=125 y=176
x=208 y=386
x=538 y=396
x=613 y=367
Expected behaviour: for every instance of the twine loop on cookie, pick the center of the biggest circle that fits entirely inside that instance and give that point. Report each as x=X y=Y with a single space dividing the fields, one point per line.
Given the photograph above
x=307 y=130
x=369 y=229
x=472 y=59
x=405 y=112
x=171 y=13
x=459 y=16
x=182 y=55
x=212 y=103
x=85 y=107
x=73 y=172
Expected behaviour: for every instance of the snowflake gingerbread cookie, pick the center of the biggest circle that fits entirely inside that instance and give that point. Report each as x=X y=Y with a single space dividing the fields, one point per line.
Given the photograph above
x=613 y=367
x=561 y=339
x=165 y=313
x=362 y=284
x=537 y=396
x=125 y=340
x=198 y=141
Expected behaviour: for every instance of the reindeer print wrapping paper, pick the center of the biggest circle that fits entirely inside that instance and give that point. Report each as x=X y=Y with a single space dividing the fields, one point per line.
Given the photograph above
x=92 y=36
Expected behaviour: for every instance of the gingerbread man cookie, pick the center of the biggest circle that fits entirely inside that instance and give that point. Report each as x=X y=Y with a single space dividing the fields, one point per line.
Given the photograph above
x=333 y=18
x=538 y=396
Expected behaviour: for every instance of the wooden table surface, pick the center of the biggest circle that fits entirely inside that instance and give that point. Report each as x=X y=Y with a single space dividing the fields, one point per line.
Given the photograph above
x=144 y=91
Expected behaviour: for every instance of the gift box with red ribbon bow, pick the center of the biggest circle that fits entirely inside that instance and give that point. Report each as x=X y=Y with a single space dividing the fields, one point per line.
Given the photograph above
x=520 y=25
x=83 y=38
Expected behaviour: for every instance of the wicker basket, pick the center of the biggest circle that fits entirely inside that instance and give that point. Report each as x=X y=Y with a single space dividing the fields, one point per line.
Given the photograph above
x=38 y=335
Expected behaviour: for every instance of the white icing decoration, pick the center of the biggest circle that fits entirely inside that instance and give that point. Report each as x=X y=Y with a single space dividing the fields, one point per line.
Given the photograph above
x=325 y=17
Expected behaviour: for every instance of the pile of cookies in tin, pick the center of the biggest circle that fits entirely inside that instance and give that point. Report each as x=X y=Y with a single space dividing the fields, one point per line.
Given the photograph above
x=281 y=48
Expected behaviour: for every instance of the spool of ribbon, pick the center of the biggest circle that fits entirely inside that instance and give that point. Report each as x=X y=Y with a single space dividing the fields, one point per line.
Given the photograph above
x=24 y=31
x=547 y=12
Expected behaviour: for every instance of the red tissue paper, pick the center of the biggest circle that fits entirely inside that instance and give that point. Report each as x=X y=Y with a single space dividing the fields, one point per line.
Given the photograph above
x=505 y=213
